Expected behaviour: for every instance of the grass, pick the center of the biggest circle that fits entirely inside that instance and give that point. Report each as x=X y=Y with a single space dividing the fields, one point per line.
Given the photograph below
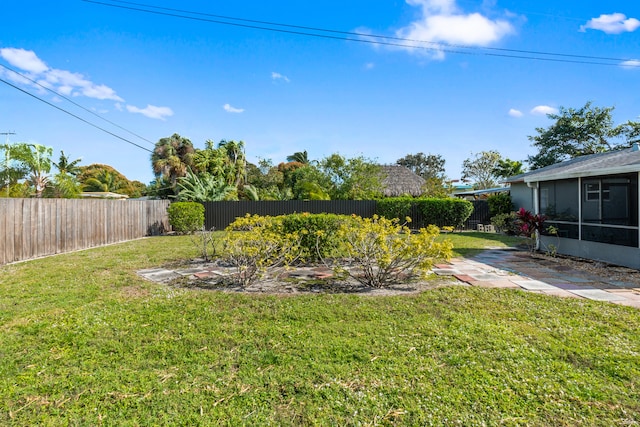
x=84 y=341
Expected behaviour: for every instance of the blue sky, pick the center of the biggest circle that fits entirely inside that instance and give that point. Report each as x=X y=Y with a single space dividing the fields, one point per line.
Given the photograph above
x=155 y=75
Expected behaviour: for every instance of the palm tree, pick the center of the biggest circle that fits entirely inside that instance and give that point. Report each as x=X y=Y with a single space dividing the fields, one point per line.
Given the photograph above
x=237 y=163
x=203 y=188
x=171 y=158
x=36 y=159
x=105 y=181
x=65 y=166
x=300 y=157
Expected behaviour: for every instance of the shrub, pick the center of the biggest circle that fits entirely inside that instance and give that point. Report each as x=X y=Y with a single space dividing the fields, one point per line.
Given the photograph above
x=530 y=226
x=186 y=217
x=445 y=212
x=262 y=247
x=499 y=204
x=317 y=232
x=385 y=252
x=506 y=223
x=395 y=207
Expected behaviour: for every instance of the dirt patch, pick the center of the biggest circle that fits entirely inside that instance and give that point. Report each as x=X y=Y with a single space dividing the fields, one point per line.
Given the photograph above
x=304 y=279
x=604 y=270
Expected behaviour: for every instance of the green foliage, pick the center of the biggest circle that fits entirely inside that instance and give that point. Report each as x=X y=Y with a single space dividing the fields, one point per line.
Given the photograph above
x=203 y=188
x=577 y=132
x=445 y=212
x=262 y=248
x=482 y=169
x=357 y=178
x=507 y=168
x=506 y=223
x=318 y=233
x=395 y=207
x=186 y=217
x=429 y=167
x=170 y=159
x=385 y=252
x=499 y=204
x=98 y=177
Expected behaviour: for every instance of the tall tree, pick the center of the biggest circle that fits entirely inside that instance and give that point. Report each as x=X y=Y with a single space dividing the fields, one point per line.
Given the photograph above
x=427 y=166
x=36 y=159
x=171 y=157
x=65 y=182
x=203 y=188
x=576 y=132
x=300 y=157
x=236 y=161
x=481 y=169
x=357 y=178
x=507 y=167
x=66 y=166
x=11 y=170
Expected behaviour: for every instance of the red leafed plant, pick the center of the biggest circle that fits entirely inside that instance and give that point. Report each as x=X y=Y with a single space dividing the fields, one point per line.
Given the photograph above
x=529 y=223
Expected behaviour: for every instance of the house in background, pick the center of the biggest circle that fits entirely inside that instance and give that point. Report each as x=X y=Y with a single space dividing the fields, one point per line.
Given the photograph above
x=591 y=200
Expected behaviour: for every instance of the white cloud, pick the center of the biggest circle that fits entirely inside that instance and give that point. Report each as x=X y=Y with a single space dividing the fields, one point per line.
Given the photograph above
x=543 y=110
x=228 y=108
x=614 y=23
x=24 y=59
x=443 y=22
x=151 y=111
x=515 y=113
x=369 y=66
x=65 y=82
x=278 y=76
x=632 y=63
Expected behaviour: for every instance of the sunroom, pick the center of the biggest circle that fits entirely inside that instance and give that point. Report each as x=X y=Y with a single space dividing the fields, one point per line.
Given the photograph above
x=591 y=201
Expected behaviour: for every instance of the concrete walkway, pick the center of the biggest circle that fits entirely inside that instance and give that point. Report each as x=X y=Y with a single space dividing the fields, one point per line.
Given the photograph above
x=509 y=268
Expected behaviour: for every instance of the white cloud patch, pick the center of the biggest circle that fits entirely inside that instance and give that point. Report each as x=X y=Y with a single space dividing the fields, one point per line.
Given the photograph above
x=631 y=64
x=443 y=22
x=24 y=59
x=229 y=109
x=278 y=76
x=515 y=113
x=543 y=110
x=151 y=111
x=614 y=23
x=65 y=82
x=369 y=66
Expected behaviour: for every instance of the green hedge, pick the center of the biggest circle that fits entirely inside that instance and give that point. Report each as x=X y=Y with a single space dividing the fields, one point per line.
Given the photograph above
x=441 y=212
x=317 y=232
x=186 y=217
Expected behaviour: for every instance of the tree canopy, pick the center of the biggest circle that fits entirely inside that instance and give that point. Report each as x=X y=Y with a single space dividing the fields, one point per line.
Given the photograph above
x=577 y=132
x=481 y=168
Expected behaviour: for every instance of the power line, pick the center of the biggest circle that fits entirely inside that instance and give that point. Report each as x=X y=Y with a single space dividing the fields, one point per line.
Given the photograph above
x=76 y=104
x=366 y=38
x=75 y=116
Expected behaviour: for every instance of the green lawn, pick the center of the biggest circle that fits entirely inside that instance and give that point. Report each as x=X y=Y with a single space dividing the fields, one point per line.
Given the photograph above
x=84 y=341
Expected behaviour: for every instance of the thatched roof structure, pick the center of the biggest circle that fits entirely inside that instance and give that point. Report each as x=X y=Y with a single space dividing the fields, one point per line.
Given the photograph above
x=400 y=181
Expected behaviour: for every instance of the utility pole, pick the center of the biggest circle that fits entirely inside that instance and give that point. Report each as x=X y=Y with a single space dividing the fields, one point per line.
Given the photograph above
x=7 y=157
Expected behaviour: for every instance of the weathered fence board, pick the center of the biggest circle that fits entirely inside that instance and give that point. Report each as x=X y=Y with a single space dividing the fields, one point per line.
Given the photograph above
x=31 y=228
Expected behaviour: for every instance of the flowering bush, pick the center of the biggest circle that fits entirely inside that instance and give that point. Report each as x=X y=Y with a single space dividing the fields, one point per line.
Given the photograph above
x=385 y=252
x=260 y=247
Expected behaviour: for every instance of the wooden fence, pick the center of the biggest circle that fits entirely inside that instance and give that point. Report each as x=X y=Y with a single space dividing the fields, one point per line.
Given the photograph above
x=31 y=228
